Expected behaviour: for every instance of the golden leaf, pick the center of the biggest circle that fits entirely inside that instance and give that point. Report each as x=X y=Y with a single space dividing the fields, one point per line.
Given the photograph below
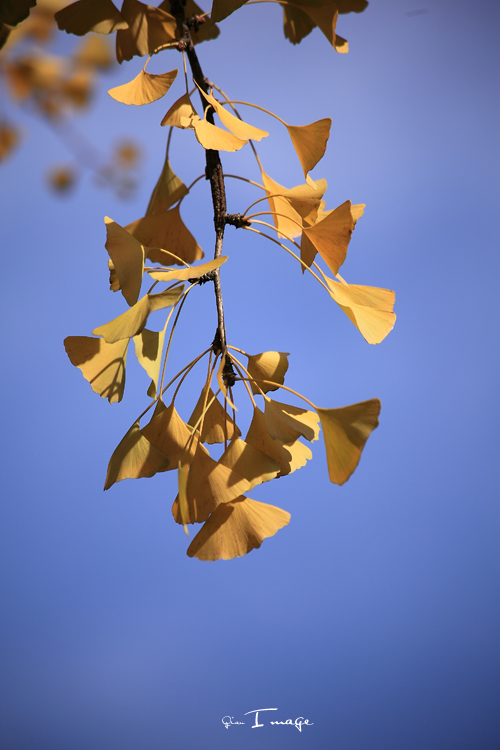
x=330 y=237
x=223 y=8
x=144 y=88
x=102 y=364
x=236 y=528
x=149 y=28
x=62 y=179
x=127 y=255
x=238 y=127
x=267 y=366
x=180 y=113
x=77 y=90
x=83 y=16
x=95 y=53
x=213 y=138
x=168 y=231
x=288 y=223
x=309 y=141
x=287 y=423
x=9 y=138
x=217 y=425
x=133 y=320
x=249 y=462
x=184 y=274
x=133 y=458
x=289 y=456
x=170 y=435
x=148 y=349
x=297 y=24
x=346 y=431
x=369 y=308
x=168 y=190
x=208 y=484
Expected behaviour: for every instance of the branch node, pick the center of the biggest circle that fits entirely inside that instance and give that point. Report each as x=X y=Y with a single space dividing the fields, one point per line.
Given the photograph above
x=236 y=220
x=228 y=373
x=210 y=276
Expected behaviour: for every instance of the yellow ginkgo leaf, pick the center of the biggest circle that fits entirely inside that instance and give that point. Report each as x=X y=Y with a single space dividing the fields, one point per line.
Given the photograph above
x=133 y=458
x=148 y=349
x=9 y=138
x=369 y=308
x=287 y=423
x=306 y=200
x=346 y=431
x=218 y=426
x=213 y=138
x=148 y=28
x=127 y=256
x=171 y=436
x=166 y=231
x=133 y=320
x=267 y=366
x=168 y=190
x=83 y=16
x=102 y=364
x=290 y=456
x=325 y=17
x=208 y=484
x=249 y=462
x=286 y=219
x=297 y=23
x=185 y=274
x=144 y=88
x=238 y=127
x=180 y=113
x=330 y=237
x=310 y=141
x=94 y=52
x=223 y=8
x=236 y=528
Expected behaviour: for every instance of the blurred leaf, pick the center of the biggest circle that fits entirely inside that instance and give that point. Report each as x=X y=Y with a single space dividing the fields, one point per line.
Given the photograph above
x=166 y=231
x=13 y=12
x=133 y=458
x=83 y=16
x=267 y=366
x=102 y=364
x=95 y=53
x=9 y=139
x=62 y=179
x=127 y=255
x=127 y=154
x=144 y=88
x=148 y=29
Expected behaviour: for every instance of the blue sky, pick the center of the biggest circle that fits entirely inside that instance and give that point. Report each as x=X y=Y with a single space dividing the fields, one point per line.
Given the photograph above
x=375 y=613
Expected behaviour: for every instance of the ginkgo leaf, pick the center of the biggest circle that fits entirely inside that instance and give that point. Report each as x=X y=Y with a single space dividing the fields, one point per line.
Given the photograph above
x=170 y=435
x=205 y=31
x=296 y=23
x=9 y=138
x=148 y=349
x=306 y=200
x=148 y=29
x=267 y=366
x=83 y=16
x=218 y=426
x=13 y=12
x=127 y=255
x=346 y=431
x=287 y=423
x=250 y=463
x=166 y=231
x=102 y=364
x=369 y=308
x=237 y=127
x=310 y=141
x=236 y=528
x=290 y=456
x=94 y=52
x=180 y=113
x=184 y=274
x=223 y=8
x=208 y=484
x=325 y=18
x=133 y=458
x=213 y=138
x=286 y=219
x=168 y=190
x=133 y=320
x=330 y=237
x=144 y=88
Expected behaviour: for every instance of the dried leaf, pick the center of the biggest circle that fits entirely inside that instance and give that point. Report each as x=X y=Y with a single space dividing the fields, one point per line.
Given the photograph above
x=133 y=458
x=168 y=190
x=309 y=141
x=287 y=423
x=133 y=320
x=149 y=348
x=83 y=16
x=127 y=255
x=218 y=426
x=180 y=113
x=238 y=127
x=185 y=274
x=249 y=462
x=149 y=28
x=346 y=431
x=213 y=138
x=290 y=456
x=102 y=364
x=236 y=528
x=170 y=435
x=267 y=366
x=330 y=237
x=144 y=88
x=168 y=231
x=369 y=308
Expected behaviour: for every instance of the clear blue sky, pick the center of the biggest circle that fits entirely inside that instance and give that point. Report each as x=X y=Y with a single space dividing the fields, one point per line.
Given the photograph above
x=375 y=613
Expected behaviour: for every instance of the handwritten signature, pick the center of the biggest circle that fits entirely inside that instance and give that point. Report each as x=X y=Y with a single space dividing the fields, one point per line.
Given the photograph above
x=298 y=723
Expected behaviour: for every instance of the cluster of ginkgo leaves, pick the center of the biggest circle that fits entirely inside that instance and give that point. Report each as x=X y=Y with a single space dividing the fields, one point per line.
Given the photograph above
x=160 y=247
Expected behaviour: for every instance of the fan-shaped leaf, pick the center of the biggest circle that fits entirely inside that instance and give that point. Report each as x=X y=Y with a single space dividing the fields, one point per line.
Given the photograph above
x=94 y=52
x=213 y=138
x=330 y=237
x=223 y=8
x=287 y=423
x=149 y=349
x=127 y=256
x=170 y=435
x=369 y=308
x=238 y=127
x=290 y=456
x=218 y=426
x=133 y=320
x=144 y=88
x=168 y=231
x=310 y=141
x=267 y=366
x=249 y=462
x=297 y=23
x=185 y=274
x=180 y=113
x=102 y=364
x=133 y=458
x=148 y=29
x=287 y=221
x=168 y=190
x=83 y=16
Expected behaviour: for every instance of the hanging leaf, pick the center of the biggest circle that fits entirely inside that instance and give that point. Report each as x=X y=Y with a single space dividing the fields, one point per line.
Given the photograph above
x=180 y=113
x=223 y=8
x=205 y=31
x=9 y=138
x=170 y=435
x=148 y=349
x=267 y=366
x=250 y=463
x=289 y=456
x=134 y=458
x=13 y=12
x=287 y=423
x=286 y=219
x=297 y=24
x=346 y=431
x=133 y=320
x=127 y=256
x=168 y=190
x=102 y=364
x=94 y=52
x=144 y=88
x=168 y=231
x=83 y=16
x=309 y=141
x=369 y=308
x=185 y=274
x=148 y=29
x=218 y=427
x=236 y=528
x=213 y=138
x=236 y=126
x=330 y=237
